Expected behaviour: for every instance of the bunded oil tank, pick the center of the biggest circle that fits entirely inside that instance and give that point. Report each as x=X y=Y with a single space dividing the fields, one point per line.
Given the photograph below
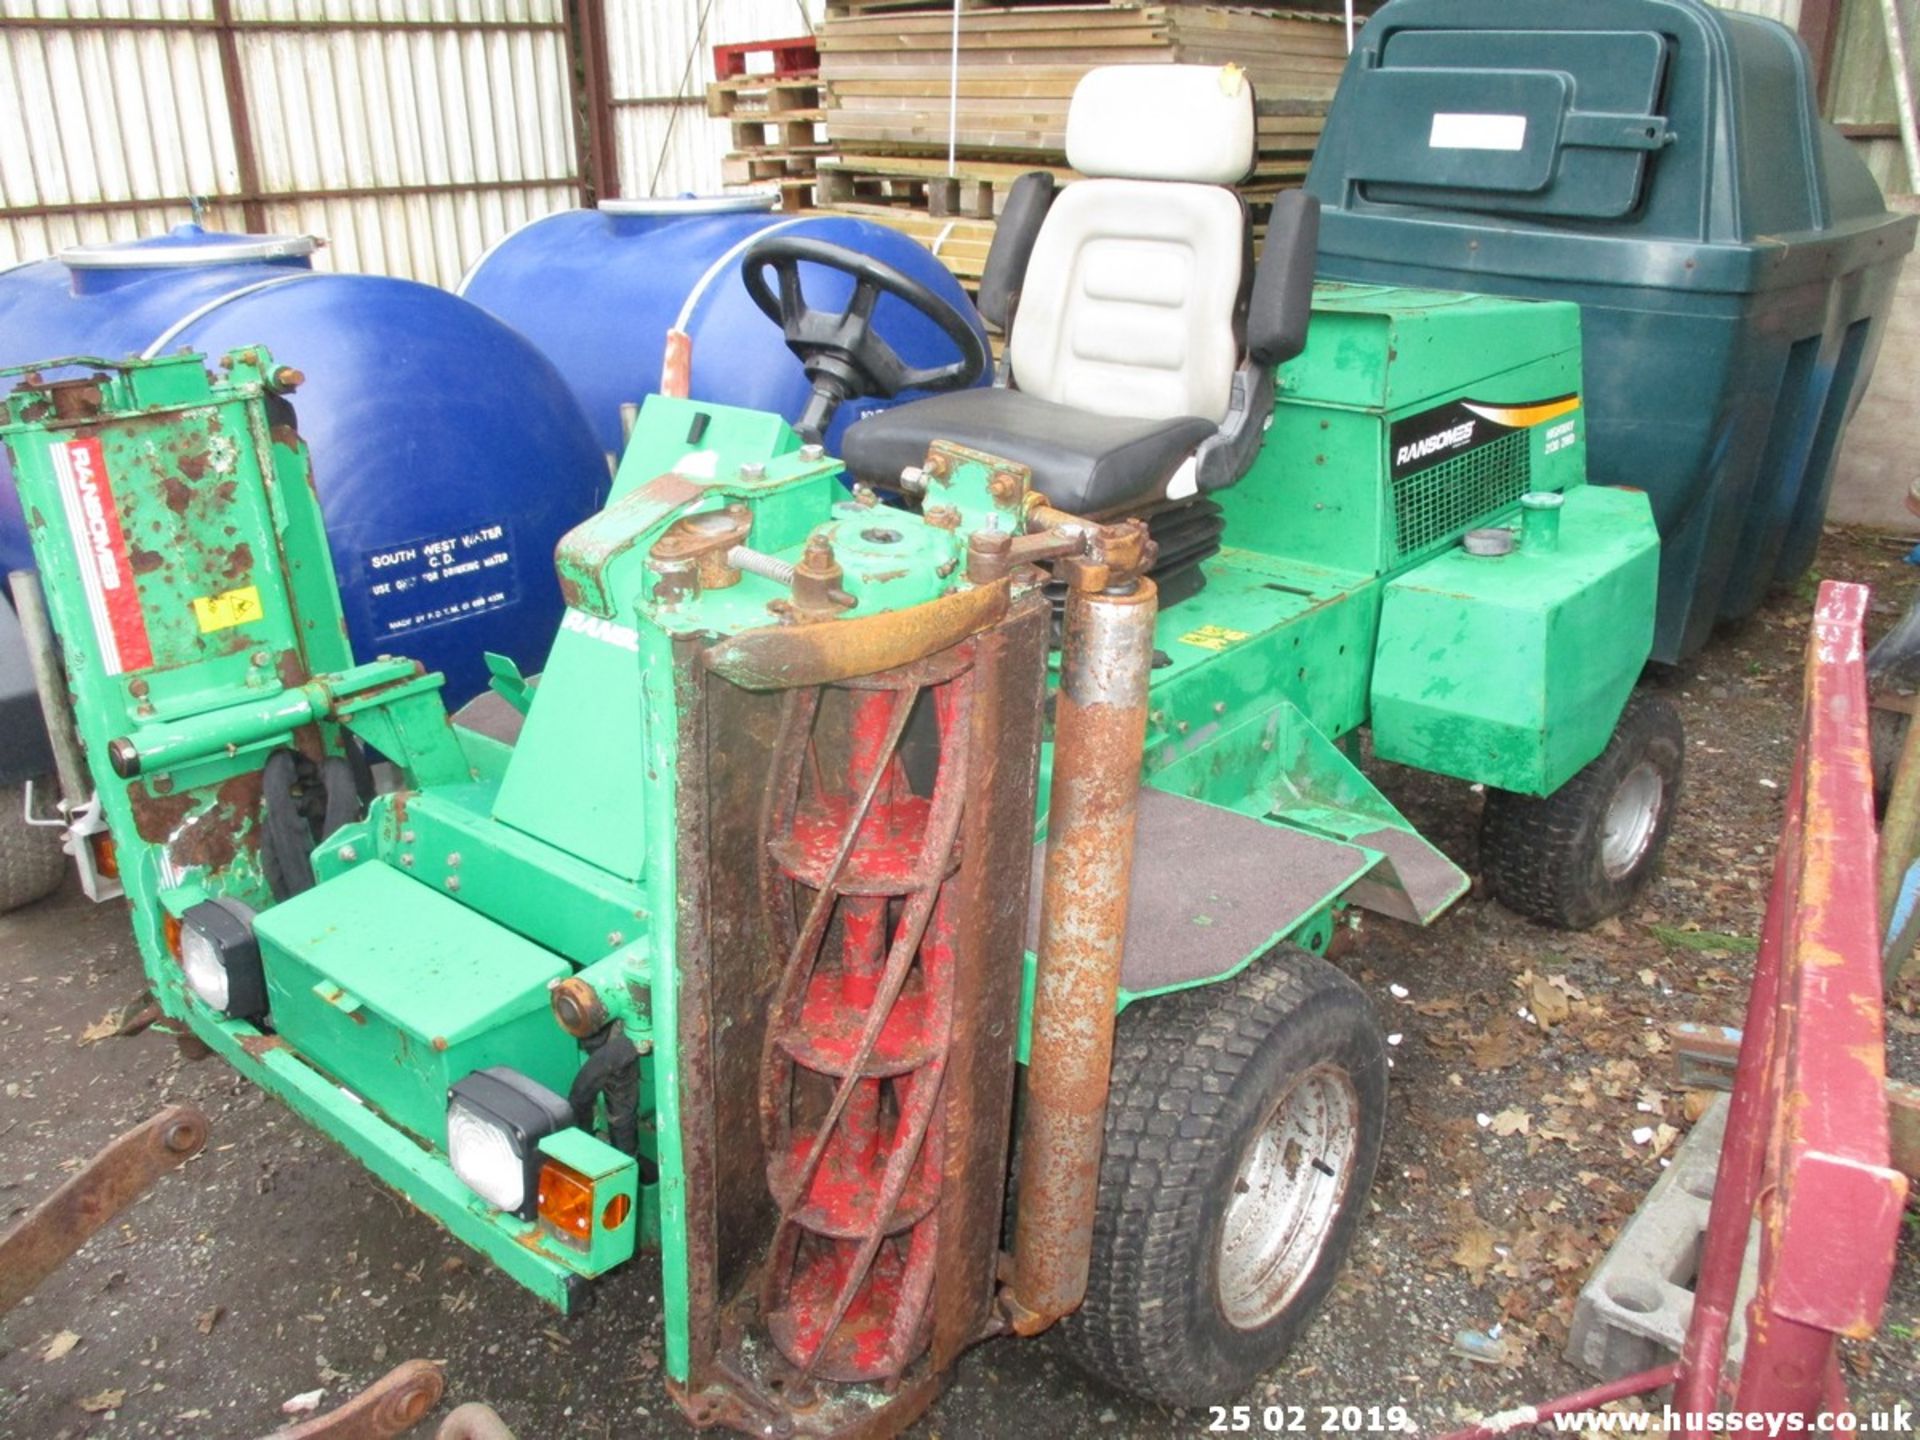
x=1663 y=163
x=448 y=453
x=599 y=290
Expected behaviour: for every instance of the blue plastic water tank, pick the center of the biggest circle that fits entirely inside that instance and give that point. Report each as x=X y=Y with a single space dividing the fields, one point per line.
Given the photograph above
x=448 y=454
x=598 y=290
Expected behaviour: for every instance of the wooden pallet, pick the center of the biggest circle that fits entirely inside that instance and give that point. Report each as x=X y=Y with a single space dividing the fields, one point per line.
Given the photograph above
x=777 y=126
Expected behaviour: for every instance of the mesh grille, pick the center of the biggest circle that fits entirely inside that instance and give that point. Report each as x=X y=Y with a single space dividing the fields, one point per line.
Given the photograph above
x=1436 y=505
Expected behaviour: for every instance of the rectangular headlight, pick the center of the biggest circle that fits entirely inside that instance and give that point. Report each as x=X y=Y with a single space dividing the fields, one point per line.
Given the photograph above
x=496 y=1119
x=221 y=958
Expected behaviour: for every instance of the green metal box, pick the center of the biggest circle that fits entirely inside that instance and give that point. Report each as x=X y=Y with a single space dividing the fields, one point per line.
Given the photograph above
x=1412 y=416
x=1511 y=670
x=398 y=991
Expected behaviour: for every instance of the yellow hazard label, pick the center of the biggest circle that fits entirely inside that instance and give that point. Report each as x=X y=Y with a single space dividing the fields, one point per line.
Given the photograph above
x=223 y=612
x=1213 y=637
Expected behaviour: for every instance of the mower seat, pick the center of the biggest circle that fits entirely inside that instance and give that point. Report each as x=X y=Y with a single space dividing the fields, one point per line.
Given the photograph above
x=1084 y=463
x=1140 y=340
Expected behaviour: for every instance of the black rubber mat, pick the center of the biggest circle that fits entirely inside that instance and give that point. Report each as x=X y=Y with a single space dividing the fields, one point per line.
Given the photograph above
x=1211 y=887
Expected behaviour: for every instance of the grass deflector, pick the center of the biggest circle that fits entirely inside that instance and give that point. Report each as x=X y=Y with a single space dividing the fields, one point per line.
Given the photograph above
x=728 y=933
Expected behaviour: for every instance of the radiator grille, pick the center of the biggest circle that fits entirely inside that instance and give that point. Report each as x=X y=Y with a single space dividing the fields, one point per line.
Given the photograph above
x=1435 y=506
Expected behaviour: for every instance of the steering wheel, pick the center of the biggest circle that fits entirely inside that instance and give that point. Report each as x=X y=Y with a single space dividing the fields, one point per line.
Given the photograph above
x=842 y=353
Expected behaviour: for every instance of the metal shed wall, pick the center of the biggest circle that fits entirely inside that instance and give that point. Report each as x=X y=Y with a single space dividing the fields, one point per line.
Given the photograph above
x=408 y=133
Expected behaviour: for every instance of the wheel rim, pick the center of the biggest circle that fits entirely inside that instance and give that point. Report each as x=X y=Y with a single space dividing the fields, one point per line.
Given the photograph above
x=1632 y=817
x=1286 y=1193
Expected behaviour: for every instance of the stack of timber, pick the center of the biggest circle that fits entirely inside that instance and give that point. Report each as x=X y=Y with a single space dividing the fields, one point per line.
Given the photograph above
x=885 y=70
x=776 y=125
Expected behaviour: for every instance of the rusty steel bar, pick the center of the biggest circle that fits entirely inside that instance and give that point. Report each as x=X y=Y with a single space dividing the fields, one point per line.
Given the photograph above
x=1100 y=726
x=392 y=1405
x=111 y=1181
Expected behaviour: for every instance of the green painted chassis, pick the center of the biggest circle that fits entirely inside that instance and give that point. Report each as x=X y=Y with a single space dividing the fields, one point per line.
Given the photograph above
x=1270 y=671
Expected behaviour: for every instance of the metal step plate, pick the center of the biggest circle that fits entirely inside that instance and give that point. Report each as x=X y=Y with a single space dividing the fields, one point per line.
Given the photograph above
x=1212 y=887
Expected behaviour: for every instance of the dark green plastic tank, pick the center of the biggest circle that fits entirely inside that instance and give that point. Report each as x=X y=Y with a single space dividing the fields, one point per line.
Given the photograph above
x=1662 y=163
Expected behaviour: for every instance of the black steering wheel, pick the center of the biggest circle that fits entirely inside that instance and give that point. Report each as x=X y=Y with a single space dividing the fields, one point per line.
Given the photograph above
x=842 y=353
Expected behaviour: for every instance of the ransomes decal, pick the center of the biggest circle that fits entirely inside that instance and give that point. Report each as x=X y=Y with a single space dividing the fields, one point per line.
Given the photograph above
x=1460 y=426
x=119 y=624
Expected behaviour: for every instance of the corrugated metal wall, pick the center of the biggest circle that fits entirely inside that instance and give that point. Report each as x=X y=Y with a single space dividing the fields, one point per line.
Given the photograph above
x=660 y=54
x=408 y=133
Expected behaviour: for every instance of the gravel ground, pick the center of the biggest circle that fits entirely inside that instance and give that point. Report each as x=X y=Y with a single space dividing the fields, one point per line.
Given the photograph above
x=274 y=1266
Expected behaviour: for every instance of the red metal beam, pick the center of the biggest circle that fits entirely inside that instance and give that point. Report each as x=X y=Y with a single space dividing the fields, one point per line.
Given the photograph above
x=592 y=77
x=233 y=84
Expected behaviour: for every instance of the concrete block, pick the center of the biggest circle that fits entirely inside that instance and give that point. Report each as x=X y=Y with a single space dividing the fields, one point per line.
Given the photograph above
x=1634 y=1310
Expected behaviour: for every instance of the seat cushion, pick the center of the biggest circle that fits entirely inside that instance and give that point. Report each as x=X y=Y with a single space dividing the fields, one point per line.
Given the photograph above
x=1129 y=300
x=1084 y=463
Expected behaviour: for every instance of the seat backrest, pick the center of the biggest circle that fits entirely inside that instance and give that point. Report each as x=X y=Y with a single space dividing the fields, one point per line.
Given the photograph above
x=1131 y=299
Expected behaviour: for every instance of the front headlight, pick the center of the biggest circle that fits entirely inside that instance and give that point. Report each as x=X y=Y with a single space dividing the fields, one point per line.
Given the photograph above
x=496 y=1119
x=221 y=958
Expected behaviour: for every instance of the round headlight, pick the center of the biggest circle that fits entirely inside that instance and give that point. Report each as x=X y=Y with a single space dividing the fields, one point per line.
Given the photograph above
x=483 y=1155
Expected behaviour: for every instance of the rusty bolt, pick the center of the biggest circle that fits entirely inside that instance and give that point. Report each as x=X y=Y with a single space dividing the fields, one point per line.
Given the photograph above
x=1003 y=486
x=163 y=784
x=937 y=466
x=138 y=688
x=287 y=378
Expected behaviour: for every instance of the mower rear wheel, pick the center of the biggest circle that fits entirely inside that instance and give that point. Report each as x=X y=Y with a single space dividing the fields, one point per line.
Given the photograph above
x=1584 y=853
x=32 y=862
x=1242 y=1132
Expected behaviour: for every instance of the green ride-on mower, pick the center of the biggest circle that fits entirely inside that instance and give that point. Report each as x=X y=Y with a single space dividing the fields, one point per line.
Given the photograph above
x=1004 y=767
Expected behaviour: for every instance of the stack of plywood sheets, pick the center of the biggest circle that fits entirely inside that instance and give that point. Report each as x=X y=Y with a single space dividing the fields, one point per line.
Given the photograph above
x=888 y=83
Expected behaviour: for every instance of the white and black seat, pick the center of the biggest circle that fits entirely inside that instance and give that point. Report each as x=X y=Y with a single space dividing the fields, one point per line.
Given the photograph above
x=1141 y=340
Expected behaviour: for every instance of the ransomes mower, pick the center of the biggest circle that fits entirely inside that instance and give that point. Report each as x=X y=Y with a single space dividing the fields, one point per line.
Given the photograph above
x=1005 y=766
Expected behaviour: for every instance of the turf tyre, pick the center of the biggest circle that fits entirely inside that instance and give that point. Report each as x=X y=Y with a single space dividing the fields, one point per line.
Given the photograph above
x=1547 y=857
x=1197 y=1077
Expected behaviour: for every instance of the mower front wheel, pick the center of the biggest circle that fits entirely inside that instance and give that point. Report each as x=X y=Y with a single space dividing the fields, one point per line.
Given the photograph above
x=32 y=860
x=1242 y=1132
x=1584 y=853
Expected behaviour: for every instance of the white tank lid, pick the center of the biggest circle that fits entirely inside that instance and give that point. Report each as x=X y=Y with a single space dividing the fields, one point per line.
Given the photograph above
x=186 y=245
x=740 y=202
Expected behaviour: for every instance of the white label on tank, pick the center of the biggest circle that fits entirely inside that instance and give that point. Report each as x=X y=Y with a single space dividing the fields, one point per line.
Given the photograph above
x=1478 y=132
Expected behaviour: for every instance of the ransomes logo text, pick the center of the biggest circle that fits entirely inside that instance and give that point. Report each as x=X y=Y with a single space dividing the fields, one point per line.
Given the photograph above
x=1456 y=438
x=93 y=510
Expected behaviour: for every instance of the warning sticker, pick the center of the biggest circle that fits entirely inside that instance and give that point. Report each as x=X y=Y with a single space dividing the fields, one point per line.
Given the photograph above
x=440 y=578
x=119 y=624
x=223 y=612
x=1213 y=637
